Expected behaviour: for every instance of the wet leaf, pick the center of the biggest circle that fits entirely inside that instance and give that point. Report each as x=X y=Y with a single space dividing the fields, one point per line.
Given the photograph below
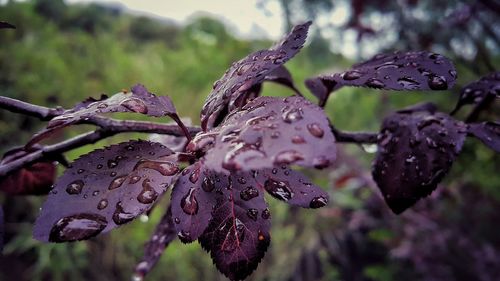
x=163 y=234
x=416 y=149
x=233 y=89
x=396 y=71
x=488 y=133
x=475 y=92
x=238 y=234
x=269 y=131
x=105 y=189
x=292 y=187
x=192 y=201
x=33 y=179
x=4 y=24
x=139 y=100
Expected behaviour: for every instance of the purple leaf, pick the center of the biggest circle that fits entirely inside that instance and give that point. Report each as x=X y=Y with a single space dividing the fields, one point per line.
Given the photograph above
x=1 y=229
x=4 y=24
x=162 y=236
x=231 y=91
x=105 y=189
x=476 y=91
x=416 y=149
x=138 y=101
x=266 y=132
x=488 y=133
x=292 y=187
x=397 y=71
x=192 y=201
x=33 y=179
x=238 y=234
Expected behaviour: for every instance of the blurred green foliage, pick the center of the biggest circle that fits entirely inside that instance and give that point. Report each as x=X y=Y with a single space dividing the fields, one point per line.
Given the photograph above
x=61 y=54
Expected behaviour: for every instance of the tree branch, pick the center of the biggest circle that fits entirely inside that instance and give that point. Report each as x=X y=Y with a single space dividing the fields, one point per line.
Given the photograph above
x=354 y=137
x=41 y=112
x=110 y=127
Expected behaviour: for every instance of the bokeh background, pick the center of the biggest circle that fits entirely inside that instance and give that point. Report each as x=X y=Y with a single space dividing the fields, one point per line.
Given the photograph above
x=65 y=51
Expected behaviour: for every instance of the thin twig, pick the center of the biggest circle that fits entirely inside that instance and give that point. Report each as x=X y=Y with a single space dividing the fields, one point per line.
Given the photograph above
x=354 y=137
x=113 y=127
x=41 y=112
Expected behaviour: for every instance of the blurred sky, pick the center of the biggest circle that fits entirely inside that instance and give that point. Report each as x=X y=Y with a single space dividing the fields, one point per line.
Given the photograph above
x=242 y=16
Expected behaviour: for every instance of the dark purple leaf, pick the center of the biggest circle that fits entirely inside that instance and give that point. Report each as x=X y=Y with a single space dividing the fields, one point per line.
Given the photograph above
x=397 y=71
x=162 y=236
x=192 y=202
x=138 y=101
x=266 y=132
x=33 y=179
x=1 y=229
x=292 y=187
x=416 y=149
x=4 y=24
x=238 y=234
x=476 y=91
x=105 y=189
x=488 y=133
x=231 y=91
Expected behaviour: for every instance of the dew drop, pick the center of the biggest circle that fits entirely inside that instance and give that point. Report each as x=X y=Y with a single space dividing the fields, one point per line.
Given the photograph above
x=408 y=83
x=112 y=164
x=177 y=220
x=249 y=193
x=351 y=75
x=189 y=203
x=120 y=216
x=117 y=182
x=298 y=140
x=99 y=166
x=318 y=202
x=375 y=83
x=437 y=82
x=292 y=115
x=288 y=156
x=134 y=179
x=102 y=204
x=165 y=168
x=148 y=194
x=315 y=130
x=184 y=236
x=75 y=187
x=193 y=177
x=278 y=189
x=253 y=214
x=208 y=184
x=77 y=227
x=80 y=171
x=266 y=214
x=135 y=105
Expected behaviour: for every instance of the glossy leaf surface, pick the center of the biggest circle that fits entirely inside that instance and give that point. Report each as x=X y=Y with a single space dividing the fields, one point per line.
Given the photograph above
x=238 y=234
x=488 y=133
x=266 y=132
x=397 y=71
x=417 y=147
x=292 y=187
x=476 y=91
x=231 y=91
x=105 y=189
x=139 y=100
